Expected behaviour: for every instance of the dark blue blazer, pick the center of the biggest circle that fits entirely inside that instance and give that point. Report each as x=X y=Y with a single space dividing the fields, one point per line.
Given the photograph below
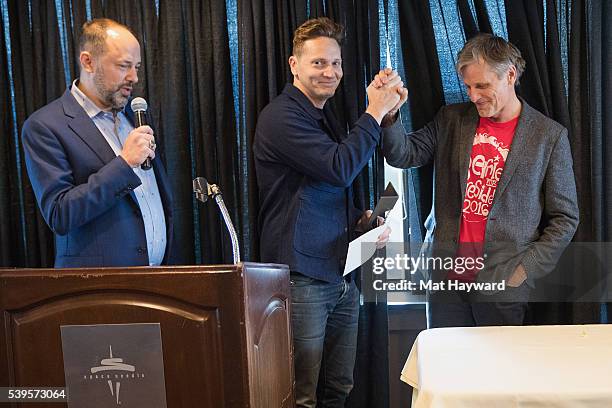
x=305 y=164
x=85 y=192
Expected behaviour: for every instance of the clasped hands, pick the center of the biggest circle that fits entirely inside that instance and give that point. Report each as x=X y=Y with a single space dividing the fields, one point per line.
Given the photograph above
x=386 y=94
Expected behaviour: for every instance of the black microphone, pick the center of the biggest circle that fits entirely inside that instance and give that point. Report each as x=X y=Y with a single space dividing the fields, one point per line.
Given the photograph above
x=139 y=106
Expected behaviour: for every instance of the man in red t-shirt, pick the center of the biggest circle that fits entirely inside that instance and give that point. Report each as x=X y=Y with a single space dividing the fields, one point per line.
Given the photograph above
x=503 y=178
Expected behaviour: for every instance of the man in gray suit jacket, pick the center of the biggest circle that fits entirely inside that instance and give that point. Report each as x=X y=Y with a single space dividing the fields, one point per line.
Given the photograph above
x=504 y=185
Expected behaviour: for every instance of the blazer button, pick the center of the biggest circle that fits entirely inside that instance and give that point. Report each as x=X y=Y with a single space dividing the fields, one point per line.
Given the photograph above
x=140 y=250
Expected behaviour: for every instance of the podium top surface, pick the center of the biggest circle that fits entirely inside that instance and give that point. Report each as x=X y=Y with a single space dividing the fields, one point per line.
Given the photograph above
x=149 y=270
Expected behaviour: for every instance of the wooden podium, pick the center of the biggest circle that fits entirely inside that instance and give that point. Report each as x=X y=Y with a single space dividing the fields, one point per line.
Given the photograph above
x=225 y=329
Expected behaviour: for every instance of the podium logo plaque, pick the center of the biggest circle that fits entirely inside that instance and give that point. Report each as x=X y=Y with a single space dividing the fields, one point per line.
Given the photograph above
x=114 y=365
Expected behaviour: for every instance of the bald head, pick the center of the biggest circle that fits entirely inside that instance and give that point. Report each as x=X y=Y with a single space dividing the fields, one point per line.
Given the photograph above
x=96 y=32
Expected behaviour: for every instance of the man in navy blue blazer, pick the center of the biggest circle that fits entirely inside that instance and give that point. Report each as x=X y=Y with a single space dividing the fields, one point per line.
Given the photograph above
x=83 y=155
x=305 y=164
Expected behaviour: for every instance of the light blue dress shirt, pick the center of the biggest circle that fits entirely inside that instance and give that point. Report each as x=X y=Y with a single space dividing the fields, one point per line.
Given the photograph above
x=115 y=127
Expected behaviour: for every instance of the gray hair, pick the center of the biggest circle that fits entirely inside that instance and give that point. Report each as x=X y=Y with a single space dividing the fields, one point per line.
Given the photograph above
x=498 y=53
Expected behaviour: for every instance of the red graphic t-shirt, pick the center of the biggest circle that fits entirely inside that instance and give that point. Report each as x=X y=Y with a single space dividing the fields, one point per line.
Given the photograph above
x=489 y=153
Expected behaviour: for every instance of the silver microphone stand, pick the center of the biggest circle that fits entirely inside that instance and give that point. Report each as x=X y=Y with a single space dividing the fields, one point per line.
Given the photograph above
x=202 y=191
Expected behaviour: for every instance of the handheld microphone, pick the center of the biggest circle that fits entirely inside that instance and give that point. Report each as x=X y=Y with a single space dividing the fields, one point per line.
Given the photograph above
x=139 y=106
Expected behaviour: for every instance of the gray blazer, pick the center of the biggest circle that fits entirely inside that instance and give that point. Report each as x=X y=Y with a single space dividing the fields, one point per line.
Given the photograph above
x=534 y=214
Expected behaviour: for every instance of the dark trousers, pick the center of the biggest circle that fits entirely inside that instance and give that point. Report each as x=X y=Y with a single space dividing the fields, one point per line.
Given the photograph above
x=467 y=309
x=324 y=318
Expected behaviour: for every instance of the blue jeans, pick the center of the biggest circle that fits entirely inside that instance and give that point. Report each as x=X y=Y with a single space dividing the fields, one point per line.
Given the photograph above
x=324 y=318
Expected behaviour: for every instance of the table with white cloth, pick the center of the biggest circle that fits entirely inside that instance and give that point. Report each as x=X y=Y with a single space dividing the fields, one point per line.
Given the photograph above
x=531 y=366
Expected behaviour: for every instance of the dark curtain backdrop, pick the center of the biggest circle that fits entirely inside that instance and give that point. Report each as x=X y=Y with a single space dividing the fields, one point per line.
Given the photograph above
x=36 y=84
x=533 y=27
x=599 y=118
x=185 y=76
x=471 y=25
x=265 y=37
x=197 y=121
x=421 y=67
x=543 y=86
x=9 y=199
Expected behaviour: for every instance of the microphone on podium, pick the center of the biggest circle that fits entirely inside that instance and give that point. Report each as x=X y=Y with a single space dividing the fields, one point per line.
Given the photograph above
x=202 y=191
x=139 y=106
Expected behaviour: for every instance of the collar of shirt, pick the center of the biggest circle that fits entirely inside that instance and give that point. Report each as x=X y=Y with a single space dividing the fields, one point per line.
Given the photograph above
x=324 y=116
x=302 y=100
x=88 y=105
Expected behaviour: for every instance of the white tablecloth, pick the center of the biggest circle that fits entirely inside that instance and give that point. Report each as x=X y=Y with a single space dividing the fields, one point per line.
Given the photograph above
x=497 y=367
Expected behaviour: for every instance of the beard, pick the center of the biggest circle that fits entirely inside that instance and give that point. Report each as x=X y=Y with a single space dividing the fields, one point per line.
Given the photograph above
x=110 y=97
x=487 y=110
